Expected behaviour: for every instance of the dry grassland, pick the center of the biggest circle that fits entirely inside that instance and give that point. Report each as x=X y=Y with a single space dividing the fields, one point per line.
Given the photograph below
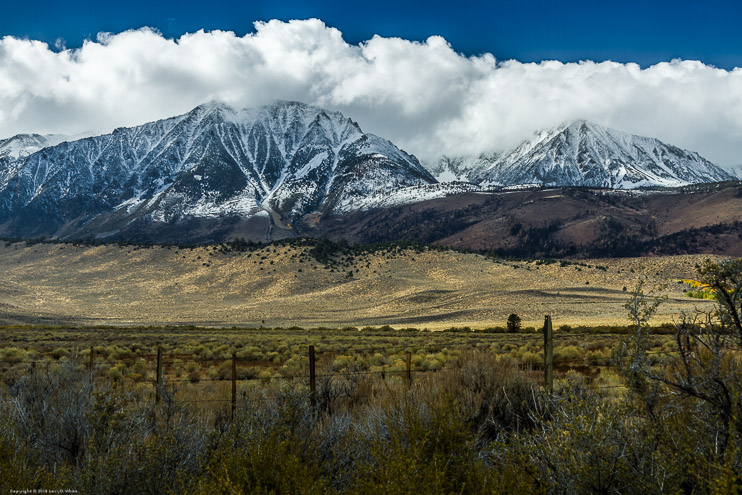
x=283 y=286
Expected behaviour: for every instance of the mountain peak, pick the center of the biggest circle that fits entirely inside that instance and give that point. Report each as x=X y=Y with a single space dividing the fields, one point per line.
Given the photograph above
x=283 y=111
x=580 y=126
x=282 y=160
x=213 y=105
x=583 y=123
x=218 y=105
x=291 y=103
x=22 y=145
x=584 y=153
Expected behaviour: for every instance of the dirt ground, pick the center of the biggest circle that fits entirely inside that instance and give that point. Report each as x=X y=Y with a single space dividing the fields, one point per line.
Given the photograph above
x=282 y=286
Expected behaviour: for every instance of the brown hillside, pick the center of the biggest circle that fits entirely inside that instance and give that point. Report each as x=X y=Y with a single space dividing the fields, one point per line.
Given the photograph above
x=284 y=286
x=570 y=222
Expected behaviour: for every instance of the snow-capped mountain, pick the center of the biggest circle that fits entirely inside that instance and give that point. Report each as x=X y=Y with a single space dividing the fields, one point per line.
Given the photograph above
x=587 y=154
x=284 y=160
x=216 y=172
x=22 y=145
x=735 y=171
x=462 y=169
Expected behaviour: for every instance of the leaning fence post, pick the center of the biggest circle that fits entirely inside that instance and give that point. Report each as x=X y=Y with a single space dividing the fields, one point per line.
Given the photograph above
x=409 y=369
x=90 y=366
x=312 y=379
x=234 y=383
x=548 y=354
x=159 y=375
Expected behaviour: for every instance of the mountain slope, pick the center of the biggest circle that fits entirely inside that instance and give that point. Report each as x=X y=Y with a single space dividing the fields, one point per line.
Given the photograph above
x=587 y=154
x=277 y=162
x=560 y=222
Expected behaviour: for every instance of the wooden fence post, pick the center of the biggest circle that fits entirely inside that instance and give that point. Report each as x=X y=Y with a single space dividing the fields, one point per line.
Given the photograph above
x=312 y=379
x=90 y=366
x=234 y=383
x=548 y=354
x=159 y=375
x=409 y=370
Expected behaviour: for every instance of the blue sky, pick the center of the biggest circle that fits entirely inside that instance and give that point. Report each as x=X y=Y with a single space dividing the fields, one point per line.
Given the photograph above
x=645 y=32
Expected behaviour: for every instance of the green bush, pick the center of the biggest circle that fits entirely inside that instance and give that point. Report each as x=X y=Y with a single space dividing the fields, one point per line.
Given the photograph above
x=567 y=354
x=531 y=358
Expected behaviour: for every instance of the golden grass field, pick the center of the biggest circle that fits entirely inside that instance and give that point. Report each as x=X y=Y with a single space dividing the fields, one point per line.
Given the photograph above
x=282 y=286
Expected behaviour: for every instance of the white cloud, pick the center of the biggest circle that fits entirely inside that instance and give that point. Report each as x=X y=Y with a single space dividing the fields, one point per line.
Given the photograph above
x=425 y=97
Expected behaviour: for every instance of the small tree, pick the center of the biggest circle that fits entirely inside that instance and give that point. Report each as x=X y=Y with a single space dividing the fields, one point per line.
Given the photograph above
x=513 y=323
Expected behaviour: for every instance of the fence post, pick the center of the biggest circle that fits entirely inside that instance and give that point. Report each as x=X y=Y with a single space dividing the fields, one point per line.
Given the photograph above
x=159 y=374
x=234 y=383
x=409 y=369
x=548 y=354
x=312 y=379
x=90 y=366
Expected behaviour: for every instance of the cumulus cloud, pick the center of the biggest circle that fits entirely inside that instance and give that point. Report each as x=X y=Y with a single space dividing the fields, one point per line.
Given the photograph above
x=424 y=96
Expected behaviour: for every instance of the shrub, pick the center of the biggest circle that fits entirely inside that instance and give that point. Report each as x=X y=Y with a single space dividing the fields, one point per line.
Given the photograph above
x=568 y=353
x=531 y=358
x=13 y=355
x=117 y=372
x=60 y=352
x=597 y=358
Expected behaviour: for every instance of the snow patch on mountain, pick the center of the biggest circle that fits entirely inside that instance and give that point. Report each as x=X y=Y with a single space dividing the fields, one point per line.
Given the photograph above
x=407 y=195
x=315 y=162
x=243 y=205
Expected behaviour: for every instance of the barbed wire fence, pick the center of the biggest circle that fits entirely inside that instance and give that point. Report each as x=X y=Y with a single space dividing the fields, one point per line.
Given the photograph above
x=242 y=370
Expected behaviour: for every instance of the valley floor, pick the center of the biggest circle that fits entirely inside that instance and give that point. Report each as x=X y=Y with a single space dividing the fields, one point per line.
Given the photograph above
x=284 y=286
